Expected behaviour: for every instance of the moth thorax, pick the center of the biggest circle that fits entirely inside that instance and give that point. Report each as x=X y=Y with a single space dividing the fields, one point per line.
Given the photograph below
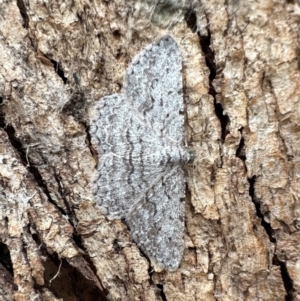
x=180 y=156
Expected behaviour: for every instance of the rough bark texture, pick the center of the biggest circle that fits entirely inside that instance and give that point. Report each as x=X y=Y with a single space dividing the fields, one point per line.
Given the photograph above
x=241 y=79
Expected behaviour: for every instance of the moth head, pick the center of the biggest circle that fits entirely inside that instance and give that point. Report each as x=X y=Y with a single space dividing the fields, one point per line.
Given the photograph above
x=190 y=156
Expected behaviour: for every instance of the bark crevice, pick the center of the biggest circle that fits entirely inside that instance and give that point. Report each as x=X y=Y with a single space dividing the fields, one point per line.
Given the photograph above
x=191 y=20
x=5 y=259
x=205 y=43
x=59 y=70
x=18 y=146
x=62 y=278
x=287 y=281
x=240 y=151
x=162 y=293
x=23 y=13
x=265 y=225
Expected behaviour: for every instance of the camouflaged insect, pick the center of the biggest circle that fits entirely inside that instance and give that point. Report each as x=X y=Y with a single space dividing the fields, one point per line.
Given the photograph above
x=139 y=135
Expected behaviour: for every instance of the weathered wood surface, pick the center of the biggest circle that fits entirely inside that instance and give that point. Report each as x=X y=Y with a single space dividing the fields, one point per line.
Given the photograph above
x=241 y=84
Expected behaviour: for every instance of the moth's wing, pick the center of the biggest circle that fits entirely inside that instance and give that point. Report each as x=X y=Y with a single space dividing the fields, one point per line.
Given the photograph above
x=123 y=142
x=157 y=222
x=153 y=84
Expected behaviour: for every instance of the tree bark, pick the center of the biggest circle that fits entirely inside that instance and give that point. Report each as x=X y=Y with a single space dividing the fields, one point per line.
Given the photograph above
x=241 y=91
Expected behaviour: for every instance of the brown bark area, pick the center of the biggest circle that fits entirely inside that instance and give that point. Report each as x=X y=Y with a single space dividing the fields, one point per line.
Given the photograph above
x=241 y=79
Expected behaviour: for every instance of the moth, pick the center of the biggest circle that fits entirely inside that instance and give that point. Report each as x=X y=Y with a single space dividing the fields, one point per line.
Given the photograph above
x=139 y=135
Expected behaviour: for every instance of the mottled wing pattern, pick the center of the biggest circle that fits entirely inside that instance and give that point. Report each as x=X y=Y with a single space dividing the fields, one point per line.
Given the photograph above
x=157 y=221
x=135 y=133
x=153 y=84
x=124 y=143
